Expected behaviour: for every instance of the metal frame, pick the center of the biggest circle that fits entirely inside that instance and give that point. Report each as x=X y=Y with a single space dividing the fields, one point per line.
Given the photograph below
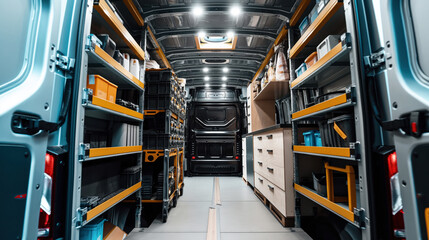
x=362 y=221
x=77 y=214
x=192 y=32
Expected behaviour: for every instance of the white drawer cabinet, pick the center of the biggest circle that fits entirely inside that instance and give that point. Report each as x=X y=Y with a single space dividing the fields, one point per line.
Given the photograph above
x=273 y=164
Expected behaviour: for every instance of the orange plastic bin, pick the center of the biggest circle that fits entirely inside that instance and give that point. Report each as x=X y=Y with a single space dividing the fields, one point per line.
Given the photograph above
x=311 y=60
x=102 y=88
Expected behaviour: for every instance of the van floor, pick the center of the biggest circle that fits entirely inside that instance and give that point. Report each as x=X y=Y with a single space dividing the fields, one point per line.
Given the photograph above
x=224 y=208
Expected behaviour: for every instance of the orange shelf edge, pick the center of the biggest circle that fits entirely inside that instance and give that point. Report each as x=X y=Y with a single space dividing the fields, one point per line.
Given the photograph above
x=333 y=151
x=334 y=51
x=134 y=12
x=107 y=204
x=109 y=16
x=325 y=202
x=158 y=49
x=321 y=106
x=100 y=52
x=99 y=152
x=298 y=12
x=324 y=16
x=115 y=107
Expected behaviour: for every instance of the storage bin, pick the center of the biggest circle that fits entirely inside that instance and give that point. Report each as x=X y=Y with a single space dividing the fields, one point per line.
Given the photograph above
x=95 y=39
x=157 y=141
x=314 y=13
x=309 y=138
x=99 y=86
x=303 y=25
x=93 y=230
x=342 y=130
x=327 y=44
x=301 y=69
x=130 y=176
x=319 y=183
x=310 y=60
x=108 y=45
x=317 y=139
x=118 y=57
x=340 y=184
x=325 y=134
x=111 y=92
x=158 y=76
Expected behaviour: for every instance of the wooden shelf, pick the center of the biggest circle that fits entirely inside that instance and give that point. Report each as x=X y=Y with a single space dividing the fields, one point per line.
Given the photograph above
x=338 y=54
x=335 y=103
x=324 y=16
x=333 y=152
x=103 y=64
x=339 y=209
x=104 y=105
x=273 y=90
x=95 y=153
x=109 y=16
x=93 y=213
x=280 y=37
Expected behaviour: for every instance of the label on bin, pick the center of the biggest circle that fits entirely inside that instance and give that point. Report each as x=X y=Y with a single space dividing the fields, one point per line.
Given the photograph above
x=339 y=131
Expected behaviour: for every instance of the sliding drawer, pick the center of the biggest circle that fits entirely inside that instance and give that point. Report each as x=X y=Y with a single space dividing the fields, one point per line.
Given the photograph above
x=259 y=166
x=274 y=155
x=274 y=174
x=275 y=195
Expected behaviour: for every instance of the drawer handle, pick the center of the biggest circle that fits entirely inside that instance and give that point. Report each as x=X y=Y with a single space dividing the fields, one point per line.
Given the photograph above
x=259 y=162
x=259 y=138
x=270 y=169
x=270 y=136
x=260 y=149
x=260 y=179
x=270 y=187
x=270 y=151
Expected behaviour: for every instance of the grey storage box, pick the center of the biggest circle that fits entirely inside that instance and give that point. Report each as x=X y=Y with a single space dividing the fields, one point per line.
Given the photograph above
x=327 y=44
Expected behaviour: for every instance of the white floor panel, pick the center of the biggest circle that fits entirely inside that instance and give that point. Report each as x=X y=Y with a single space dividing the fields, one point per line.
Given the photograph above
x=296 y=235
x=197 y=189
x=234 y=189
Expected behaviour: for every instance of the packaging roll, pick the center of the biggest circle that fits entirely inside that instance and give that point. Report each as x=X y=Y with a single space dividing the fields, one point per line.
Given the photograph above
x=126 y=63
x=135 y=67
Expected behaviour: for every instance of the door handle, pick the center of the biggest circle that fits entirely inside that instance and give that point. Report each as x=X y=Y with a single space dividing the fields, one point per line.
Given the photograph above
x=270 y=187
x=259 y=138
x=259 y=162
x=270 y=136
x=260 y=179
x=260 y=149
x=270 y=151
x=270 y=169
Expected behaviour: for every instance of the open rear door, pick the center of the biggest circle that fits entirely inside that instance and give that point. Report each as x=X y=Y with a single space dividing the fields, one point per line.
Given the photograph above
x=37 y=48
x=405 y=34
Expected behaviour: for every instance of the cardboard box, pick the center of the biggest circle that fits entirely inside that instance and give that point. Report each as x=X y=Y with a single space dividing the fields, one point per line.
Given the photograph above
x=112 y=232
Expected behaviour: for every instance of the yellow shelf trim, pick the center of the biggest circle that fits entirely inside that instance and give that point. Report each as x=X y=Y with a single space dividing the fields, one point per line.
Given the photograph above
x=115 y=107
x=321 y=106
x=298 y=12
x=107 y=204
x=324 y=16
x=109 y=16
x=99 y=152
x=325 y=202
x=334 y=151
x=134 y=11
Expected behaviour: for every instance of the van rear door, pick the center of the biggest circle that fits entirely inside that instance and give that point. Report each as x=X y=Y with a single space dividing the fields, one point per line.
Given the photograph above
x=406 y=51
x=37 y=48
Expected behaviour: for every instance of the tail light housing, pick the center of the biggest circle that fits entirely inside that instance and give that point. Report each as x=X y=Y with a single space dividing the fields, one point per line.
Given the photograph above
x=396 y=199
x=193 y=157
x=46 y=214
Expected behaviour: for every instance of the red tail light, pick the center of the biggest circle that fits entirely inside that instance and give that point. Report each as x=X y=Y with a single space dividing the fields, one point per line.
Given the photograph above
x=45 y=217
x=237 y=157
x=193 y=157
x=396 y=199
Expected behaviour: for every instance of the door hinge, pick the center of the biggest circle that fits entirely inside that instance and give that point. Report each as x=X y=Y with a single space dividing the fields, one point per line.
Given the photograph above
x=413 y=124
x=80 y=217
x=375 y=60
x=359 y=215
x=64 y=63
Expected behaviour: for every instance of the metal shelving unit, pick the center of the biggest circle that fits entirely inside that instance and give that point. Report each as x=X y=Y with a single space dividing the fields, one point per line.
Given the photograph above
x=336 y=17
x=97 y=61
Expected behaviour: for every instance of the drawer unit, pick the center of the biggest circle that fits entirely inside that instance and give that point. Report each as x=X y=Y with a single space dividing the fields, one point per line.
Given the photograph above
x=243 y=157
x=275 y=174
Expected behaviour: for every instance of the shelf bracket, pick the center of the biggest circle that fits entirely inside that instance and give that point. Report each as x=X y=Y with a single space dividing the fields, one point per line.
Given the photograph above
x=359 y=216
x=80 y=215
x=375 y=61
x=87 y=96
x=83 y=151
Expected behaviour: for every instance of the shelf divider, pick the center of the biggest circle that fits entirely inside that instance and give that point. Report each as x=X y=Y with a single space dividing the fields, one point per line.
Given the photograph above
x=109 y=16
x=91 y=214
x=324 y=16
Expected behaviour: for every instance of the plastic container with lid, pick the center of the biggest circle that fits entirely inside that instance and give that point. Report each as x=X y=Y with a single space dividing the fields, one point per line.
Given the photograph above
x=304 y=25
x=313 y=14
x=311 y=60
x=327 y=44
x=301 y=69
x=93 y=230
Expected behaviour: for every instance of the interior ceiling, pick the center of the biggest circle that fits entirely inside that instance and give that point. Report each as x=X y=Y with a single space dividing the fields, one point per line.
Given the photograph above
x=175 y=27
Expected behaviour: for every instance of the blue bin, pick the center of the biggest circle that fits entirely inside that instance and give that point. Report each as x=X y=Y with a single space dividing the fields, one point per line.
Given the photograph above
x=301 y=69
x=304 y=25
x=318 y=139
x=93 y=230
x=309 y=138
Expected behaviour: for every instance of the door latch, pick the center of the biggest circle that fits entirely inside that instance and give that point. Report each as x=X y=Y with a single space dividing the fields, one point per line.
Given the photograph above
x=29 y=124
x=413 y=124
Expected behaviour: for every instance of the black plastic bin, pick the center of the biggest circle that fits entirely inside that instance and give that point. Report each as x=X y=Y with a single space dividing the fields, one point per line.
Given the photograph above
x=157 y=123
x=155 y=88
x=342 y=130
x=158 y=76
x=158 y=102
x=130 y=176
x=325 y=134
x=157 y=141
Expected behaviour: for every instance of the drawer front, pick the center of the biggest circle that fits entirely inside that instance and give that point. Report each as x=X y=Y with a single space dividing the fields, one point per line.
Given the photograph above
x=274 y=174
x=259 y=165
x=273 y=155
x=258 y=142
x=274 y=194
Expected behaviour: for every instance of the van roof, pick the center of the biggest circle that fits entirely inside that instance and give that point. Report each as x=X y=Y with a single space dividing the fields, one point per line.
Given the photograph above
x=241 y=32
